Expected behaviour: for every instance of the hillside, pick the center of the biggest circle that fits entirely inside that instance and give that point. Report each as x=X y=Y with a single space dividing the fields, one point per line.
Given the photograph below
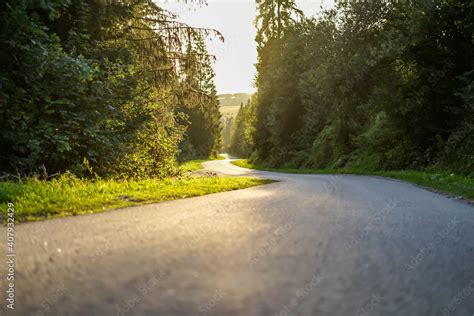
x=230 y=103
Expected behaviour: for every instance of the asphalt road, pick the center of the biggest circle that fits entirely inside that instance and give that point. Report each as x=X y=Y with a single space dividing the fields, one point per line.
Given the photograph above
x=307 y=245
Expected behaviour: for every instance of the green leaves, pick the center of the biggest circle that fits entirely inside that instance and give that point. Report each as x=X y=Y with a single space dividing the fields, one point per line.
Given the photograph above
x=383 y=83
x=77 y=84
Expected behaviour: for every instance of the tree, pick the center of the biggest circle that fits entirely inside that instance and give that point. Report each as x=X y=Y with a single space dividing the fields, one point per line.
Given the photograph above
x=201 y=104
x=274 y=19
x=95 y=82
x=241 y=143
x=369 y=85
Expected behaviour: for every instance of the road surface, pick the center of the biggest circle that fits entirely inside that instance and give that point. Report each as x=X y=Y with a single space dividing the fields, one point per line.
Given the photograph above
x=306 y=245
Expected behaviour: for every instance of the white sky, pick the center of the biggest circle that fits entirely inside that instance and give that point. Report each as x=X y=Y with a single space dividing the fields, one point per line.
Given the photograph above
x=236 y=57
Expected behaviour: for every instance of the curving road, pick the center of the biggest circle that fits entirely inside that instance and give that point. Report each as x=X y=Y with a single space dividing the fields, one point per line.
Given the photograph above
x=306 y=245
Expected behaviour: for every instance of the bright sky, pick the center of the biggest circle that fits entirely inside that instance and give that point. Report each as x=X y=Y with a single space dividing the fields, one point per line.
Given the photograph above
x=236 y=57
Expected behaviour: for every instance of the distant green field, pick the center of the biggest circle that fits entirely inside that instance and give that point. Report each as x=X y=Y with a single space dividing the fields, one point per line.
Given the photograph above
x=230 y=103
x=230 y=111
x=233 y=99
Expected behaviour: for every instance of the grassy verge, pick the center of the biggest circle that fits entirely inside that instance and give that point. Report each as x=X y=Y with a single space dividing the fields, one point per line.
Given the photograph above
x=439 y=181
x=218 y=157
x=192 y=165
x=68 y=195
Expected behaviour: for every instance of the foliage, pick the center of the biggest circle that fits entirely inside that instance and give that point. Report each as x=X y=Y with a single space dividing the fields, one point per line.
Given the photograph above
x=241 y=139
x=98 y=87
x=380 y=84
x=201 y=105
x=227 y=125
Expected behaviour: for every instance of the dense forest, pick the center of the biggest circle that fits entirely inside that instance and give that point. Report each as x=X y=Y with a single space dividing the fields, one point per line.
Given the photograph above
x=122 y=88
x=371 y=85
x=111 y=88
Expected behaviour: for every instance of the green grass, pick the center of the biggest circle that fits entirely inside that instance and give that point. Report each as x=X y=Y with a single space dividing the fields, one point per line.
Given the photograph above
x=69 y=195
x=229 y=110
x=442 y=181
x=192 y=165
x=218 y=157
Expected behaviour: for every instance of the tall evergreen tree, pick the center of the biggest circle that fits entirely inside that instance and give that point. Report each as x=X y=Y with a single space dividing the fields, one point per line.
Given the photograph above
x=274 y=19
x=201 y=104
x=370 y=85
x=94 y=81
